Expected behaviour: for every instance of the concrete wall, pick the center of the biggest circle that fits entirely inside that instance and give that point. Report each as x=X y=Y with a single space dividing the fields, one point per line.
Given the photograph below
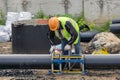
x=95 y=10
x=101 y=10
x=3 y=6
x=49 y=7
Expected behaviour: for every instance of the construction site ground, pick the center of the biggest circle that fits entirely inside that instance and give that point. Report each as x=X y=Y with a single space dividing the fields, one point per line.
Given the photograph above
x=41 y=74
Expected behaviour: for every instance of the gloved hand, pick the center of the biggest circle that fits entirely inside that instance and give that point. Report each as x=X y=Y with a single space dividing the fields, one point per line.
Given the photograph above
x=52 y=48
x=67 y=47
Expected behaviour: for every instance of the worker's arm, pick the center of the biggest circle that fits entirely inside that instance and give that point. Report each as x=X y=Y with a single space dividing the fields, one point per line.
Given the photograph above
x=51 y=36
x=69 y=27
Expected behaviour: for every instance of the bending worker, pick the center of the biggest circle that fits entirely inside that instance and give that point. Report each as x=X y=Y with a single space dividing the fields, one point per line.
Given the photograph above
x=67 y=30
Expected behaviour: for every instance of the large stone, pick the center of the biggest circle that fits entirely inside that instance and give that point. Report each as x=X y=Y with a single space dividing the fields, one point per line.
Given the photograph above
x=107 y=40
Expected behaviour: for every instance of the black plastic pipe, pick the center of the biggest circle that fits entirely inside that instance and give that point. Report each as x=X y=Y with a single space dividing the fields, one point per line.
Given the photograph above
x=115 y=28
x=23 y=61
x=88 y=35
x=116 y=21
x=43 y=61
x=102 y=61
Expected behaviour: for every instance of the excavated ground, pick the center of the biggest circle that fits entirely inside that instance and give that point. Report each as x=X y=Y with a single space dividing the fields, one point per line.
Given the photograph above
x=38 y=74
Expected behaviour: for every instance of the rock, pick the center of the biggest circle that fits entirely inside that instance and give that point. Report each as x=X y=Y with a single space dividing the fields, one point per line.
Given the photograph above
x=107 y=40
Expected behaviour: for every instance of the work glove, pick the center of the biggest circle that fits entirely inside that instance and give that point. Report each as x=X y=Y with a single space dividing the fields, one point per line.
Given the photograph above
x=52 y=48
x=67 y=47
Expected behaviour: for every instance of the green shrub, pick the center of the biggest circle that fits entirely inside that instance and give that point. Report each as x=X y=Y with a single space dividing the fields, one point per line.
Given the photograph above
x=92 y=26
x=64 y=15
x=2 y=17
x=80 y=19
x=103 y=28
x=40 y=14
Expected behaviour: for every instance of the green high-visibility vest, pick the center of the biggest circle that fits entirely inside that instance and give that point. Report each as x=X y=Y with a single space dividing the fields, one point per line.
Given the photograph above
x=65 y=33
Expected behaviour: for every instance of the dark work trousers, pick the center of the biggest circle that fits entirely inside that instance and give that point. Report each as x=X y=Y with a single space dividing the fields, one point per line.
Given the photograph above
x=77 y=47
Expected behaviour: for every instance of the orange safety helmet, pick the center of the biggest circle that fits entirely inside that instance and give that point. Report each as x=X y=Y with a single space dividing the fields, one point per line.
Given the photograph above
x=53 y=23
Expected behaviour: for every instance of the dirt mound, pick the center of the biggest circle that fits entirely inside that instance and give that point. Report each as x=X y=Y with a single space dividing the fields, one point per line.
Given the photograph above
x=107 y=40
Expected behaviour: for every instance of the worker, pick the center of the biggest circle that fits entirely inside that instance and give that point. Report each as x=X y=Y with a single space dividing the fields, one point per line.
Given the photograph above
x=67 y=30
